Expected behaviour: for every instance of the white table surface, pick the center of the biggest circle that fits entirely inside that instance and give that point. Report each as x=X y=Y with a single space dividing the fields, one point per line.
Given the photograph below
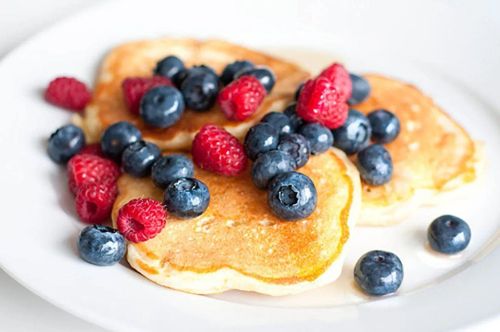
x=21 y=310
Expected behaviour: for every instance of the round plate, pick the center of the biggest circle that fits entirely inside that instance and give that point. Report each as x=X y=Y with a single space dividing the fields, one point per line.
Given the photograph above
x=447 y=60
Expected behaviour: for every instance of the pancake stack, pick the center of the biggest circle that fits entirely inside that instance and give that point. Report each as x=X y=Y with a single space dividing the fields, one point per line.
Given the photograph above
x=238 y=243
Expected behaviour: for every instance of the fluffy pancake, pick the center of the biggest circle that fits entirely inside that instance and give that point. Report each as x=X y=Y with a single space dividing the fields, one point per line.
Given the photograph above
x=239 y=244
x=432 y=154
x=139 y=59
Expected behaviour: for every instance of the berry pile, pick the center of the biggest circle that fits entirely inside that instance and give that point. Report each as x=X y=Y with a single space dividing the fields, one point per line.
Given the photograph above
x=185 y=196
x=280 y=143
x=324 y=100
x=161 y=100
x=93 y=172
x=355 y=135
x=320 y=118
x=277 y=146
x=91 y=177
x=283 y=142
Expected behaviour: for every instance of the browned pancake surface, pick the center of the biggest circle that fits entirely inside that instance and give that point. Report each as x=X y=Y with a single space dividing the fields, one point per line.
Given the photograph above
x=239 y=231
x=139 y=59
x=432 y=151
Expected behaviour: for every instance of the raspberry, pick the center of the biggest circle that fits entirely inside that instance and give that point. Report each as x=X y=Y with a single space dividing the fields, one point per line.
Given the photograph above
x=340 y=79
x=320 y=102
x=241 y=98
x=141 y=219
x=93 y=149
x=68 y=92
x=135 y=87
x=94 y=201
x=85 y=169
x=216 y=150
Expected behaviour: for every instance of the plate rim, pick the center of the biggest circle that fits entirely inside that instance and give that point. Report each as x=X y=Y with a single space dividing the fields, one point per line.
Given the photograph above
x=89 y=315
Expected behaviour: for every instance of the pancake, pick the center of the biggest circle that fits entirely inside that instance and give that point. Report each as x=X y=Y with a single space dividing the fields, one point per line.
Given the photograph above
x=239 y=244
x=432 y=154
x=139 y=58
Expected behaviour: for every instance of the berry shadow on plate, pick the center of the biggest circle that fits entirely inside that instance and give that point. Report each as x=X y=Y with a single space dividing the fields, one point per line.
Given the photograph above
x=59 y=182
x=60 y=185
x=70 y=243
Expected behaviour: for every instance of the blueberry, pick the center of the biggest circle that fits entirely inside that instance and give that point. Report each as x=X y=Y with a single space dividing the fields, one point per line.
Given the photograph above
x=295 y=120
x=385 y=126
x=180 y=77
x=448 y=234
x=319 y=137
x=101 y=245
x=186 y=197
x=138 y=157
x=298 y=91
x=169 y=67
x=161 y=107
x=259 y=139
x=200 y=90
x=202 y=69
x=195 y=70
x=171 y=167
x=280 y=121
x=64 y=143
x=379 y=272
x=297 y=146
x=375 y=165
x=264 y=75
x=229 y=73
x=117 y=137
x=270 y=164
x=360 y=89
x=292 y=196
x=354 y=134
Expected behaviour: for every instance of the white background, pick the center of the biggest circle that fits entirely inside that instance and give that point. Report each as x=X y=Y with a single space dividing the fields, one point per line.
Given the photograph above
x=21 y=310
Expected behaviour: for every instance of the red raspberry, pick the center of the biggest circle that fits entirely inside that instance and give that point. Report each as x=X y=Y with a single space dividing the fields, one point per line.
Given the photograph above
x=85 y=169
x=241 y=98
x=320 y=102
x=340 y=78
x=94 y=201
x=68 y=92
x=216 y=150
x=135 y=87
x=93 y=149
x=141 y=219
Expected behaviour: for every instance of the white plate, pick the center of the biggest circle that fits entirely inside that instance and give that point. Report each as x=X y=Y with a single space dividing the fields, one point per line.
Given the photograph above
x=451 y=52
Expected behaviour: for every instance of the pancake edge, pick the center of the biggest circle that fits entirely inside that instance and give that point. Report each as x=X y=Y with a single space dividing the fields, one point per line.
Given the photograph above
x=388 y=215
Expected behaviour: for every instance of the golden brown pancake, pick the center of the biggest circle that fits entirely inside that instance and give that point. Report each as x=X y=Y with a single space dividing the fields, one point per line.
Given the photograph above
x=139 y=59
x=239 y=244
x=432 y=153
